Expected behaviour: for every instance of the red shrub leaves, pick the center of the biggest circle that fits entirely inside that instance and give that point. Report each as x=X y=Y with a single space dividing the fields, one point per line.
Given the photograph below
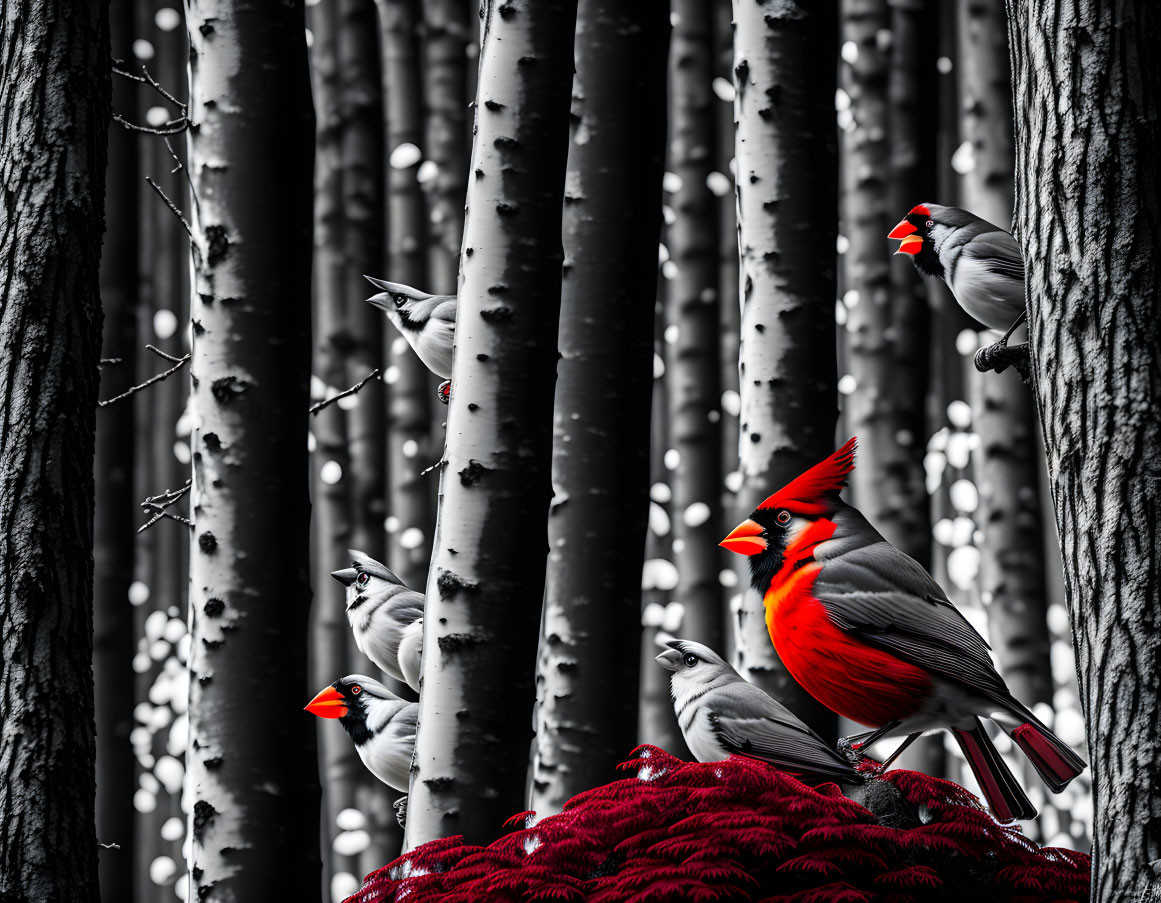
x=740 y=830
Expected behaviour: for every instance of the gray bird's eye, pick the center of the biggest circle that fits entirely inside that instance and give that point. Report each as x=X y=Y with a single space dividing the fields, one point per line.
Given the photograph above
x=362 y=581
x=399 y=300
x=690 y=660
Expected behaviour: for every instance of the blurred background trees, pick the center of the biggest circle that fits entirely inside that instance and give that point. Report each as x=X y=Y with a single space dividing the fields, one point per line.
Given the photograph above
x=771 y=252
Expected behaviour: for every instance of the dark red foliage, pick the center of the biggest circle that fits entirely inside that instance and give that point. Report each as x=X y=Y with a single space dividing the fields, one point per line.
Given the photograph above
x=740 y=830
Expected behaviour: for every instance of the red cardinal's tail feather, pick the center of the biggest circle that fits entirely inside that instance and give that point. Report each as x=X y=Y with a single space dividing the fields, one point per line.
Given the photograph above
x=1054 y=762
x=1003 y=793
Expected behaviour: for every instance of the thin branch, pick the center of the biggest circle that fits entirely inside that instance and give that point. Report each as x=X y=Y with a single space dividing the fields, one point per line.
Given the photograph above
x=172 y=206
x=181 y=168
x=181 y=362
x=173 y=126
x=160 y=503
x=168 y=357
x=351 y=391
x=109 y=846
x=108 y=361
x=170 y=127
x=146 y=79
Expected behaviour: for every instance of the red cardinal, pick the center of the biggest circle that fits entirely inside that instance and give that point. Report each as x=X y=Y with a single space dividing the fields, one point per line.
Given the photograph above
x=867 y=631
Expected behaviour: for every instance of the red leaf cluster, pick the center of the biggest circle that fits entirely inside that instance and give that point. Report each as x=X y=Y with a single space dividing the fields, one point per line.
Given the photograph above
x=739 y=830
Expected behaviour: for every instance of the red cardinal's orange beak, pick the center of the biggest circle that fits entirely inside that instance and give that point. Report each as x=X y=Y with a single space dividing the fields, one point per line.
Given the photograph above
x=745 y=539
x=902 y=230
x=328 y=704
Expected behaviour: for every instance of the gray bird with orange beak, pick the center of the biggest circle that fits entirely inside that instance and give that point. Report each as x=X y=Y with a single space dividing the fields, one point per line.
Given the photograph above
x=381 y=725
x=981 y=265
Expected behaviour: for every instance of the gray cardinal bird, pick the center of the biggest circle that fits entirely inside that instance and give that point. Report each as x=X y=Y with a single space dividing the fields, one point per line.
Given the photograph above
x=380 y=609
x=428 y=322
x=981 y=264
x=722 y=715
x=411 y=653
x=380 y=723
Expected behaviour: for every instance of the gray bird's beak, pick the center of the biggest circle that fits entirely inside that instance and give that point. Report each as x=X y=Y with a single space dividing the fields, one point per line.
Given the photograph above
x=670 y=661
x=346 y=576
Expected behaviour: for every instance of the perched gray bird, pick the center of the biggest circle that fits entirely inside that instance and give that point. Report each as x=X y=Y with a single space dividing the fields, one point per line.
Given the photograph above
x=721 y=715
x=428 y=322
x=380 y=723
x=380 y=608
x=980 y=263
x=411 y=653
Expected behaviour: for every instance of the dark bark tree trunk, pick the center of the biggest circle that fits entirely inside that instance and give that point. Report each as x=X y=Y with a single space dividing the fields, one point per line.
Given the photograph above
x=692 y=313
x=729 y=308
x=484 y=590
x=887 y=484
x=114 y=521
x=1088 y=217
x=330 y=633
x=252 y=769
x=586 y=722
x=364 y=214
x=911 y=179
x=656 y=720
x=169 y=282
x=1011 y=564
x=447 y=30
x=361 y=105
x=911 y=93
x=54 y=94
x=411 y=386
x=787 y=215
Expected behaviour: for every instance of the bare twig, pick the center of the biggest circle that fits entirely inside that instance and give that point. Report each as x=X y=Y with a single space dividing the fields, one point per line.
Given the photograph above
x=108 y=361
x=146 y=79
x=168 y=357
x=181 y=168
x=172 y=206
x=173 y=126
x=109 y=846
x=160 y=503
x=351 y=391
x=180 y=362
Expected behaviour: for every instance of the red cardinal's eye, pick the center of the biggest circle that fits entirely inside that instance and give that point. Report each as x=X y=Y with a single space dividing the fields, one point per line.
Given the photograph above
x=930 y=223
x=356 y=690
x=782 y=517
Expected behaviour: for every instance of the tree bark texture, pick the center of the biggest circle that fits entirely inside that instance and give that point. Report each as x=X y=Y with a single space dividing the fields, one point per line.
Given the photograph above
x=656 y=720
x=692 y=336
x=411 y=386
x=589 y=648
x=361 y=108
x=54 y=97
x=447 y=30
x=729 y=306
x=484 y=589
x=1011 y=563
x=912 y=176
x=888 y=479
x=252 y=769
x=1087 y=88
x=787 y=212
x=115 y=505
x=330 y=632
x=911 y=94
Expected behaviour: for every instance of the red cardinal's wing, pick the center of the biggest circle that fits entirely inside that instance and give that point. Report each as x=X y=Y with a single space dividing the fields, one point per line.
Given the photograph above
x=889 y=601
